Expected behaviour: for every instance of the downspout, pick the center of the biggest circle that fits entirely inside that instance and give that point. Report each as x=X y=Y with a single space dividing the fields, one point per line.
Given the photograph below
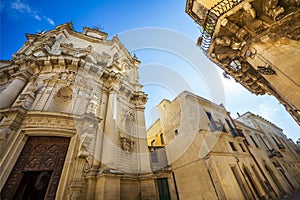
x=175 y=184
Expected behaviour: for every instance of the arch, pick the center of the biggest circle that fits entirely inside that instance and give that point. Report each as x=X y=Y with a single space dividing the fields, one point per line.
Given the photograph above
x=62 y=101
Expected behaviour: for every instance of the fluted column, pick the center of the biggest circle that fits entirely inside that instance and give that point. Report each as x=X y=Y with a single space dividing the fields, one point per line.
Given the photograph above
x=9 y=95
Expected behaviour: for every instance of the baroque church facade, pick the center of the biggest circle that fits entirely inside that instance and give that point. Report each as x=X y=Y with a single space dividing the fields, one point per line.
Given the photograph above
x=72 y=119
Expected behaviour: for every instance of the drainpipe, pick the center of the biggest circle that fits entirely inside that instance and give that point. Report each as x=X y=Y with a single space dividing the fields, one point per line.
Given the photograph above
x=176 y=190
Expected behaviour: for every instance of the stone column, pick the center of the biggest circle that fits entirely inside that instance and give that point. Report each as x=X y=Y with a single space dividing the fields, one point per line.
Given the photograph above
x=110 y=138
x=140 y=99
x=9 y=95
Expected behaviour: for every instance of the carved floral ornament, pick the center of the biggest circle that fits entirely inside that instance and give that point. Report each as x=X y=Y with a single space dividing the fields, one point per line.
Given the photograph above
x=266 y=70
x=47 y=63
x=139 y=97
x=127 y=144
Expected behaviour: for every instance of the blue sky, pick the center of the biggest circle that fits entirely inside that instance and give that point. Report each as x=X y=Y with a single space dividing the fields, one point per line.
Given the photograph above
x=192 y=72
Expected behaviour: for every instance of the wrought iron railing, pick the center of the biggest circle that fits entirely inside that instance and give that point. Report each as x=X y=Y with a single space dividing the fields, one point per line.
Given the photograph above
x=211 y=19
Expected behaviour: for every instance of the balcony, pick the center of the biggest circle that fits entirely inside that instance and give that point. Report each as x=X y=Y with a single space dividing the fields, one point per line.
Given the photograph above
x=158 y=157
x=280 y=146
x=217 y=126
x=239 y=133
x=273 y=153
x=211 y=18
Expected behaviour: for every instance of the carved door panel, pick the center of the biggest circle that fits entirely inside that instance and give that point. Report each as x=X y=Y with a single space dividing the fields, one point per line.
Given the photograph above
x=37 y=171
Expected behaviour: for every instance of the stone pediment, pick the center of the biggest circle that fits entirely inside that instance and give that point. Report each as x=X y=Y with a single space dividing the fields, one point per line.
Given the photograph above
x=68 y=49
x=90 y=45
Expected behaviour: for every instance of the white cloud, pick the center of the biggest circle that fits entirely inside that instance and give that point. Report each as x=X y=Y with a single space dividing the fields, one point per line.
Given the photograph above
x=50 y=21
x=24 y=8
x=36 y=16
x=21 y=7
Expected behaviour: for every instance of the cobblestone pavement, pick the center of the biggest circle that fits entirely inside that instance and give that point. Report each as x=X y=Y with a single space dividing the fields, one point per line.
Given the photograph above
x=294 y=196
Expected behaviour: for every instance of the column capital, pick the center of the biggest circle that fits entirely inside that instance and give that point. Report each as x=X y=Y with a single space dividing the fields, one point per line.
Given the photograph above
x=22 y=75
x=139 y=98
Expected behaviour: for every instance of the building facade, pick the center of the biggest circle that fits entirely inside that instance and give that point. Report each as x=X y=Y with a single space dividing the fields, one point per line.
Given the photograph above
x=212 y=156
x=72 y=127
x=256 y=42
x=72 y=120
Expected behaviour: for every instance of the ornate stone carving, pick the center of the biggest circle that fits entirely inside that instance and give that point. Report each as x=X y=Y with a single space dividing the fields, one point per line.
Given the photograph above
x=127 y=144
x=249 y=9
x=26 y=98
x=86 y=143
x=266 y=70
x=139 y=98
x=4 y=133
x=127 y=114
x=93 y=105
x=68 y=49
x=65 y=93
x=272 y=9
x=87 y=131
x=88 y=164
x=44 y=47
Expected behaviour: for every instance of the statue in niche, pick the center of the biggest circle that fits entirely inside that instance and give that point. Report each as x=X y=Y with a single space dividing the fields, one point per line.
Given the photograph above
x=85 y=146
x=88 y=164
x=26 y=98
x=4 y=133
x=93 y=105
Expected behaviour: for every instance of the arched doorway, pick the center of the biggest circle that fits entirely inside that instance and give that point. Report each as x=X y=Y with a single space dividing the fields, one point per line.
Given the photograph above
x=37 y=171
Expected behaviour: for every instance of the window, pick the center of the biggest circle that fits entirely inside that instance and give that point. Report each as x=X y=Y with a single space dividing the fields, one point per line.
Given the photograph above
x=162 y=139
x=212 y=124
x=235 y=65
x=280 y=145
x=246 y=142
x=232 y=130
x=176 y=132
x=243 y=149
x=163 y=188
x=240 y=182
x=220 y=126
x=154 y=157
x=232 y=146
x=264 y=141
x=254 y=141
